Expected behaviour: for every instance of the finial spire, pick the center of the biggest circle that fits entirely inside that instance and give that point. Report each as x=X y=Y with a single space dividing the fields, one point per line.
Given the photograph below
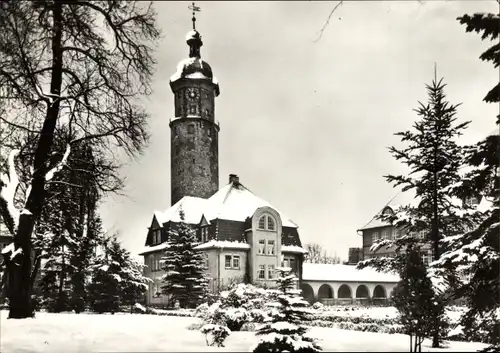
x=197 y=9
x=435 y=71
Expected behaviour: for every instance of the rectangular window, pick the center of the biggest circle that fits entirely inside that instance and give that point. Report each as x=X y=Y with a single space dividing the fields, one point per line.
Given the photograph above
x=385 y=234
x=204 y=234
x=293 y=265
x=236 y=262
x=375 y=237
x=285 y=262
x=262 y=246
x=395 y=233
x=270 y=247
x=262 y=272
x=270 y=271
x=228 y=261
x=191 y=129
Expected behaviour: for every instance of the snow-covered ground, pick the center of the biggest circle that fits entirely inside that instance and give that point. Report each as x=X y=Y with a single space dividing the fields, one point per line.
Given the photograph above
x=383 y=312
x=151 y=333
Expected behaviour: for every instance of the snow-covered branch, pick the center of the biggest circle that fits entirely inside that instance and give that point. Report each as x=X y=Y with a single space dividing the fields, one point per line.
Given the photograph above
x=50 y=174
x=9 y=185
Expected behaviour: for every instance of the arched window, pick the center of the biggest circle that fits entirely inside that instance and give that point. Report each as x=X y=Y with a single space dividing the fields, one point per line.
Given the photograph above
x=267 y=222
x=270 y=223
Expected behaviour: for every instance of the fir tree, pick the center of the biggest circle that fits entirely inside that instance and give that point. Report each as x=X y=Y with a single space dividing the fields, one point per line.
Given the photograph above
x=185 y=280
x=434 y=158
x=284 y=329
x=488 y=25
x=68 y=231
x=476 y=253
x=117 y=279
x=413 y=297
x=104 y=289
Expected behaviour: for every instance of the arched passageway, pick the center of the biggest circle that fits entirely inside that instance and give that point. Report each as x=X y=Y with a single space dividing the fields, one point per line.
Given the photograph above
x=362 y=291
x=325 y=291
x=379 y=292
x=307 y=292
x=344 y=292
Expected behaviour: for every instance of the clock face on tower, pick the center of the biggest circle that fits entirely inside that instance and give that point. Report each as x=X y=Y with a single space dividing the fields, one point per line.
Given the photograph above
x=192 y=94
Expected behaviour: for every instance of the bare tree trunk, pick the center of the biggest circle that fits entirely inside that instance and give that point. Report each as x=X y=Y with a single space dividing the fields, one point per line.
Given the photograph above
x=435 y=246
x=19 y=286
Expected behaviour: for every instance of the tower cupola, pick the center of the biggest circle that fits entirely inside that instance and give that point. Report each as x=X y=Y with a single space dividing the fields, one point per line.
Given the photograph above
x=194 y=159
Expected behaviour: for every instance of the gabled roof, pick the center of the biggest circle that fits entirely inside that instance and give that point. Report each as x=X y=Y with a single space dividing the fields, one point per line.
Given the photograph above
x=394 y=203
x=193 y=208
x=233 y=202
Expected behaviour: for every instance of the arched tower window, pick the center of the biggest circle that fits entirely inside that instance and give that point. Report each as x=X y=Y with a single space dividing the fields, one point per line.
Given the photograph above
x=267 y=222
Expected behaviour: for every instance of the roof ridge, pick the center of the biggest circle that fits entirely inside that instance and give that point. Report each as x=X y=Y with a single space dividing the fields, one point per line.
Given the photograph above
x=387 y=204
x=271 y=205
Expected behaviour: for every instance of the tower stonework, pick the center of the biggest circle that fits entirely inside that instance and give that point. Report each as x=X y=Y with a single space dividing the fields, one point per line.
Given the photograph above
x=194 y=158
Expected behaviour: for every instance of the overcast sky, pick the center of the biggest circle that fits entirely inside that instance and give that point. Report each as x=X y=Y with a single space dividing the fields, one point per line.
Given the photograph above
x=305 y=124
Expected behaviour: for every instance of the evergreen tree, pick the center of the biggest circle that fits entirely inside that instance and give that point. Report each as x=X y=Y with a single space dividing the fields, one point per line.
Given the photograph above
x=68 y=231
x=488 y=25
x=117 y=279
x=434 y=158
x=54 y=284
x=104 y=288
x=413 y=297
x=476 y=253
x=284 y=329
x=185 y=280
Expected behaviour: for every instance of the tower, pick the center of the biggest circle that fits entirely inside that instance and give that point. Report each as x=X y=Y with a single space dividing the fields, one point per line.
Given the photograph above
x=194 y=159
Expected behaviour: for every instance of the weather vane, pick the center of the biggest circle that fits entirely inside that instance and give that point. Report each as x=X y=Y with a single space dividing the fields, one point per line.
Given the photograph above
x=194 y=8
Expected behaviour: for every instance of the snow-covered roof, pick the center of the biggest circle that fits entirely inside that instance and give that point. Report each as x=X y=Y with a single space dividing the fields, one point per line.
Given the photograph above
x=237 y=203
x=150 y=249
x=344 y=273
x=193 y=34
x=233 y=203
x=193 y=67
x=193 y=208
x=293 y=248
x=214 y=244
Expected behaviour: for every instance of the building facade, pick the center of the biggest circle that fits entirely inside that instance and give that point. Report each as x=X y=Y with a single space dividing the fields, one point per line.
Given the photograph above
x=377 y=230
x=243 y=237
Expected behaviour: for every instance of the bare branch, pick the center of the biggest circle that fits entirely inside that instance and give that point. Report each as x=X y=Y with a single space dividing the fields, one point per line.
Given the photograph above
x=327 y=21
x=60 y=165
x=8 y=188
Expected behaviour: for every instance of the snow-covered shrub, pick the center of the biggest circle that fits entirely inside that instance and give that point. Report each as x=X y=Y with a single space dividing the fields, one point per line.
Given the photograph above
x=201 y=311
x=318 y=306
x=248 y=327
x=243 y=303
x=217 y=332
x=258 y=315
x=284 y=329
x=235 y=317
x=138 y=309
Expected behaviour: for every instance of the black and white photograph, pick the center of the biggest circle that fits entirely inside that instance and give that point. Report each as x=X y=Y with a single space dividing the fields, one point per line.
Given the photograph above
x=249 y=176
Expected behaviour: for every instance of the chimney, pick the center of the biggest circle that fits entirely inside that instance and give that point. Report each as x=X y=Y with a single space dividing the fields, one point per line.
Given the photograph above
x=234 y=179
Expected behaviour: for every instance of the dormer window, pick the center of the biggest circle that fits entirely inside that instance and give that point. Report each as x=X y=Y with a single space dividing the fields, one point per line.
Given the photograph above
x=267 y=222
x=388 y=212
x=156 y=237
x=204 y=234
